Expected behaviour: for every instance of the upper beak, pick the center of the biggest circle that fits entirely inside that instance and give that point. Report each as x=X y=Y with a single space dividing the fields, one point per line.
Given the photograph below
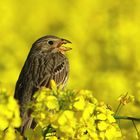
x=65 y=41
x=63 y=48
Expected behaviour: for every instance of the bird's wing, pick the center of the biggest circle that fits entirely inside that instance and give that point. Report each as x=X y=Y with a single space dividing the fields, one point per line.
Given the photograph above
x=55 y=67
x=38 y=71
x=61 y=69
x=24 y=82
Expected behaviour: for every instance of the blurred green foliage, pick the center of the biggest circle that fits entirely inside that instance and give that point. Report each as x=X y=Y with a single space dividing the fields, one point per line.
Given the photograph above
x=105 y=35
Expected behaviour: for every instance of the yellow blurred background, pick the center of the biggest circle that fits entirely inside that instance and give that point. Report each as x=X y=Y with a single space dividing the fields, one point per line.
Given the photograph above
x=106 y=45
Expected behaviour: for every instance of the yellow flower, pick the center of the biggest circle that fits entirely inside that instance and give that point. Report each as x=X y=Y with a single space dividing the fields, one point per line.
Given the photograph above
x=101 y=116
x=53 y=138
x=67 y=117
x=53 y=86
x=125 y=99
x=66 y=130
x=89 y=108
x=9 y=114
x=111 y=119
x=111 y=132
x=3 y=123
x=10 y=134
x=86 y=93
x=67 y=123
x=41 y=94
x=102 y=125
x=101 y=109
x=52 y=102
x=102 y=135
x=79 y=103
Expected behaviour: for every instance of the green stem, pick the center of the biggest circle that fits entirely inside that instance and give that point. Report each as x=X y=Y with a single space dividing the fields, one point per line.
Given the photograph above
x=138 y=134
x=133 y=121
x=126 y=118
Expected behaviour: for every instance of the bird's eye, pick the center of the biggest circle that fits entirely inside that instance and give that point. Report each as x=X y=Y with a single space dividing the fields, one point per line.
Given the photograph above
x=50 y=42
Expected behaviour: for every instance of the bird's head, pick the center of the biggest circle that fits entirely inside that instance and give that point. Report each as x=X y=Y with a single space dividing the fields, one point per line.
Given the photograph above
x=52 y=43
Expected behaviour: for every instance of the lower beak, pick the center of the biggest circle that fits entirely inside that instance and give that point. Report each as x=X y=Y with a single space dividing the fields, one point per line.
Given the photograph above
x=63 y=48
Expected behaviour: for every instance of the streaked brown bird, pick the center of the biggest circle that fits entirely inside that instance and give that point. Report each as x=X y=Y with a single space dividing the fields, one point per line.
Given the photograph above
x=46 y=60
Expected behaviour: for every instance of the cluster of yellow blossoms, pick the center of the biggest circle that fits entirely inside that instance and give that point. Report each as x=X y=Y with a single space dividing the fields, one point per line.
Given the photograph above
x=60 y=114
x=74 y=115
x=9 y=116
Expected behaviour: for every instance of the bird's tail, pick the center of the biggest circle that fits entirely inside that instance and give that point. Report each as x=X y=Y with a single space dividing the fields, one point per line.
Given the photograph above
x=27 y=122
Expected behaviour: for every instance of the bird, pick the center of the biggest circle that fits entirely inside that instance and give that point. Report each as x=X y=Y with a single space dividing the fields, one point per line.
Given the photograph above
x=46 y=61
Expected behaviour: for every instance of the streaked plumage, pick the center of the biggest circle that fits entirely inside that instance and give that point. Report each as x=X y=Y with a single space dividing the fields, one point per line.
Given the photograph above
x=46 y=61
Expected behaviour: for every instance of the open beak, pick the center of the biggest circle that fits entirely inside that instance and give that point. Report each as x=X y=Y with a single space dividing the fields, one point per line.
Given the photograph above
x=62 y=48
